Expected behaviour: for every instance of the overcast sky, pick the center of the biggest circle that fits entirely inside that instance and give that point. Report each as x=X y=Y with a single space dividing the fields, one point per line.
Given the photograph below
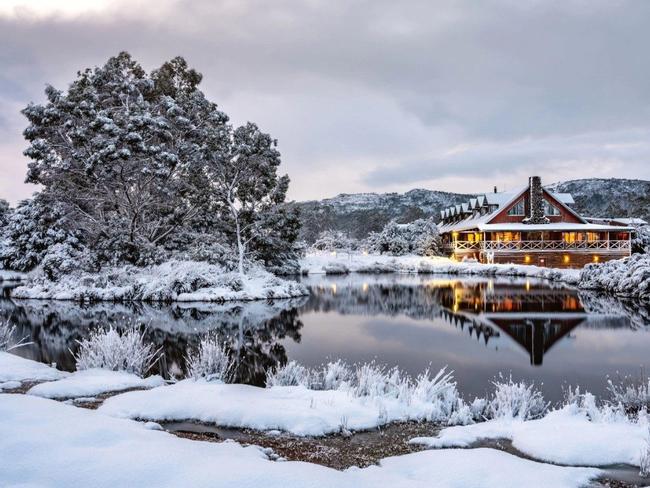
x=371 y=95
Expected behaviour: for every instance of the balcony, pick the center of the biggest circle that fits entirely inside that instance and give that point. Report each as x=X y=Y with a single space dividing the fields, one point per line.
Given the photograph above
x=602 y=246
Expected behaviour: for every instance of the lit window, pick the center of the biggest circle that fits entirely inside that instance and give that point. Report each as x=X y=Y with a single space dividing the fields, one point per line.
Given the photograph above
x=550 y=209
x=517 y=209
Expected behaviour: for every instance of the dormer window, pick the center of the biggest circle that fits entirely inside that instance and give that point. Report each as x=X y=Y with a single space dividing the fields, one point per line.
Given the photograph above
x=550 y=209
x=517 y=209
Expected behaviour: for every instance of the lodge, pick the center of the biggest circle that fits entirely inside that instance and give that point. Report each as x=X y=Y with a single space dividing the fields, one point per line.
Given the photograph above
x=530 y=226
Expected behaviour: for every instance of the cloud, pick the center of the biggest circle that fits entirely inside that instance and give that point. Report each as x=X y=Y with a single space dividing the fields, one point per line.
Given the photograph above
x=373 y=95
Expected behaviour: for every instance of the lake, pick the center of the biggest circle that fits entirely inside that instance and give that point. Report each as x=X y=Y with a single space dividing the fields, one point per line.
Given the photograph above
x=478 y=327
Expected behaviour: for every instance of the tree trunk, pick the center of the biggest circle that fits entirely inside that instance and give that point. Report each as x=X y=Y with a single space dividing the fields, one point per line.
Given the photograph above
x=240 y=247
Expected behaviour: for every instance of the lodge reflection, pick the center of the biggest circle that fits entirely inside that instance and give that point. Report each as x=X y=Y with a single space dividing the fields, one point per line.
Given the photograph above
x=529 y=314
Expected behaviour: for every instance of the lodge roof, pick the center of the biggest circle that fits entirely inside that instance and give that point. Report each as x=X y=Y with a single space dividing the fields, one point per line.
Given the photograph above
x=496 y=202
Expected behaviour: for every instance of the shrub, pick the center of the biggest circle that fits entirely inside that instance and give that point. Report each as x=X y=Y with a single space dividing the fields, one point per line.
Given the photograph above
x=632 y=393
x=516 y=400
x=337 y=374
x=374 y=381
x=7 y=334
x=115 y=351
x=291 y=374
x=644 y=461
x=210 y=361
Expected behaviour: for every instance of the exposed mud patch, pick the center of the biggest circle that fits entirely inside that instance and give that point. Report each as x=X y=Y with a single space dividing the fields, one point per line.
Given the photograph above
x=335 y=451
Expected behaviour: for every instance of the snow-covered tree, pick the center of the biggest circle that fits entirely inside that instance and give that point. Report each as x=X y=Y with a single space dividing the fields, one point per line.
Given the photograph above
x=419 y=237
x=246 y=188
x=33 y=229
x=5 y=211
x=120 y=150
x=335 y=240
x=144 y=165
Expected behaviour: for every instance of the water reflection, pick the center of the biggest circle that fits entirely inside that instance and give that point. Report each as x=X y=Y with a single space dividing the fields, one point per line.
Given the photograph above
x=409 y=321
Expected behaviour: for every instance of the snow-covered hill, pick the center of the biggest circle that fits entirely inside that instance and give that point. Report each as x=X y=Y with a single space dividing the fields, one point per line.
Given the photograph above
x=360 y=213
x=608 y=197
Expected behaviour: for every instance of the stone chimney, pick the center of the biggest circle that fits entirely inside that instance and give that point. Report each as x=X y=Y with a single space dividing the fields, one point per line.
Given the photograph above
x=536 y=202
x=495 y=188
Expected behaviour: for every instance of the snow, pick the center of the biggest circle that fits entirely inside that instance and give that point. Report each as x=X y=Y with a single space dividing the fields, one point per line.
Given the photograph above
x=8 y=275
x=293 y=409
x=626 y=277
x=46 y=443
x=181 y=281
x=565 y=436
x=9 y=385
x=93 y=382
x=16 y=369
x=317 y=263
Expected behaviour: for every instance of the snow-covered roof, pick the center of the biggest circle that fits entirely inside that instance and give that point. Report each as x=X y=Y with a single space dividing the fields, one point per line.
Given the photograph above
x=500 y=201
x=629 y=221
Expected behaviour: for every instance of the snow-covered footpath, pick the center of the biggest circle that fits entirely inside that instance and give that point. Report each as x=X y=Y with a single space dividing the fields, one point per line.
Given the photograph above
x=181 y=281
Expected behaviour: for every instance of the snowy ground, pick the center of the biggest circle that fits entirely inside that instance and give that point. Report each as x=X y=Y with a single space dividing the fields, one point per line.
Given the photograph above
x=16 y=369
x=339 y=263
x=181 y=281
x=46 y=443
x=567 y=436
x=293 y=409
x=92 y=382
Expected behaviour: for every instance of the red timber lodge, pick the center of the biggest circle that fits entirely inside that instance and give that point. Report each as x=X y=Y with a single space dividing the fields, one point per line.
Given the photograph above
x=529 y=226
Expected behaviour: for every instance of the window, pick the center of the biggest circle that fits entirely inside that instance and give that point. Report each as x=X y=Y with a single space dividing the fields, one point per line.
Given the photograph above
x=517 y=209
x=550 y=209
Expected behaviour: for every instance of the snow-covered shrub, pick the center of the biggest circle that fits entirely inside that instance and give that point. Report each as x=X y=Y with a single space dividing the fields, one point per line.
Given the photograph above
x=291 y=374
x=335 y=269
x=7 y=334
x=375 y=381
x=116 y=351
x=440 y=391
x=62 y=259
x=335 y=240
x=641 y=240
x=516 y=400
x=632 y=393
x=628 y=277
x=337 y=374
x=210 y=361
x=644 y=459
x=419 y=237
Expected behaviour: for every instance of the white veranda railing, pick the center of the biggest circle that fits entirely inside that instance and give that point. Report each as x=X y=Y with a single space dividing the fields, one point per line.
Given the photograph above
x=514 y=246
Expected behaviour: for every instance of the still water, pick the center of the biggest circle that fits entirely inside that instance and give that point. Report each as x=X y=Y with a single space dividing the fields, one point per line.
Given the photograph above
x=478 y=327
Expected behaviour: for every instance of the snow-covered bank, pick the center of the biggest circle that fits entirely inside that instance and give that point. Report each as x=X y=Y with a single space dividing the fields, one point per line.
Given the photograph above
x=569 y=436
x=16 y=369
x=93 y=382
x=45 y=443
x=340 y=263
x=182 y=281
x=7 y=275
x=626 y=277
x=293 y=409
